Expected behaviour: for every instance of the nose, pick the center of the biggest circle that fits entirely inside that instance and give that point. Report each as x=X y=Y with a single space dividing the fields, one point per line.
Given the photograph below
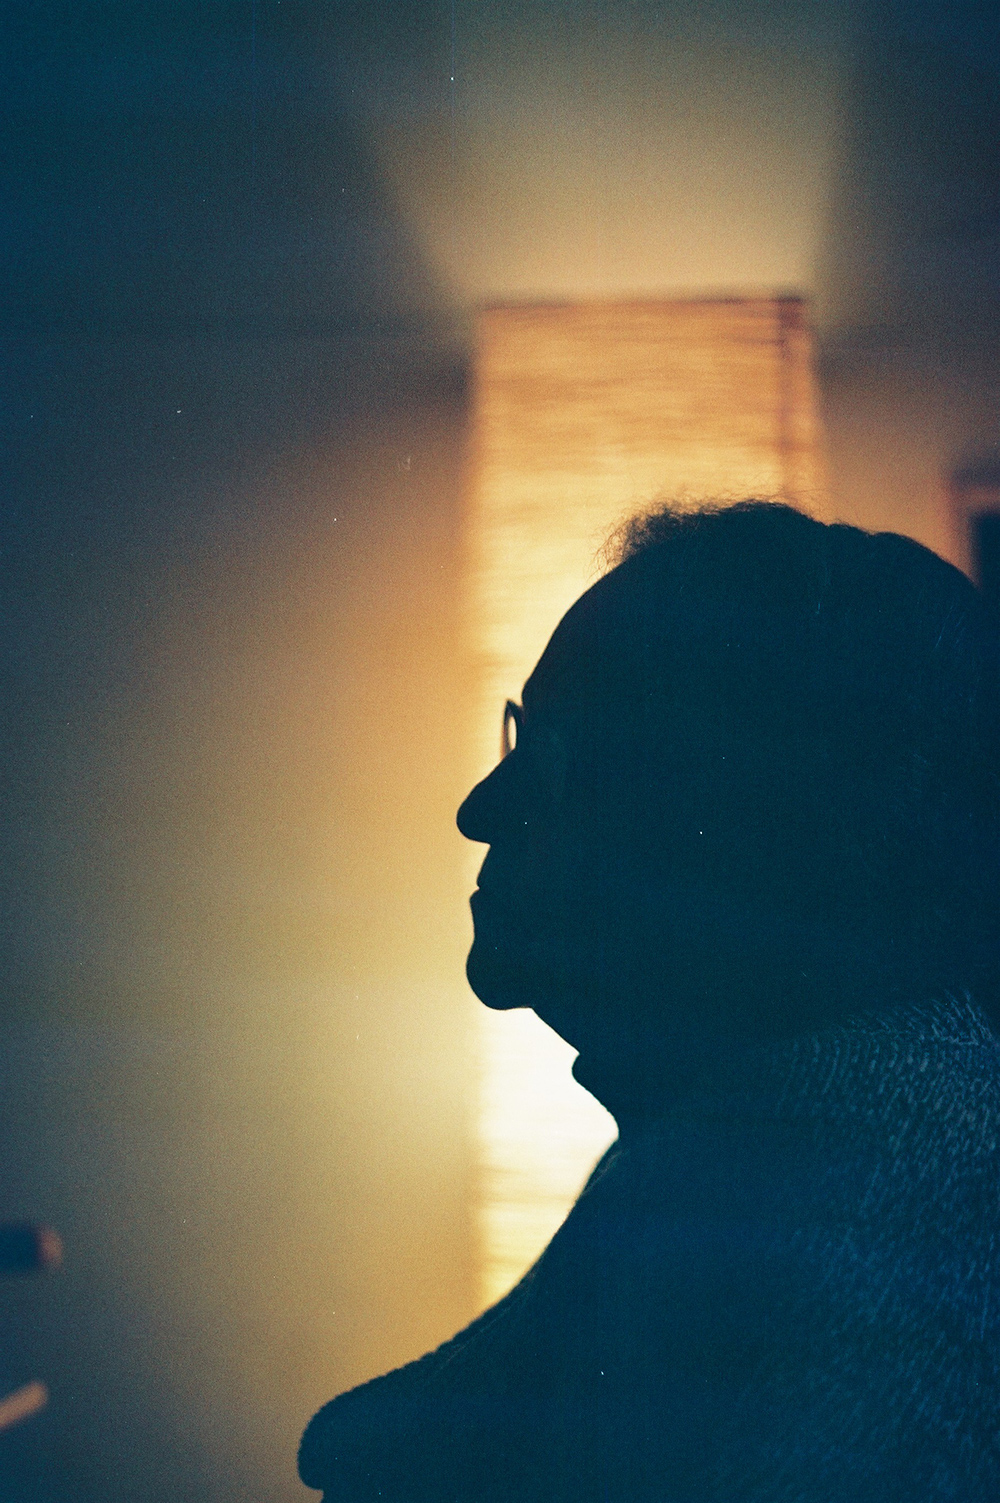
x=487 y=808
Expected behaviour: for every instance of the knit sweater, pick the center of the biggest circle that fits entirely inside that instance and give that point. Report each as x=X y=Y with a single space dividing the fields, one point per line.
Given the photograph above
x=785 y=1290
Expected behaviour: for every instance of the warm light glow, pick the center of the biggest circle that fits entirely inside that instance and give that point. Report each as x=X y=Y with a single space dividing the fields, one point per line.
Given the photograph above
x=583 y=414
x=22 y=1404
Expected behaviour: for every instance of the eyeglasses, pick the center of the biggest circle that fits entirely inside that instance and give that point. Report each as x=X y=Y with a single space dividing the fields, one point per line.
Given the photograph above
x=545 y=767
x=513 y=725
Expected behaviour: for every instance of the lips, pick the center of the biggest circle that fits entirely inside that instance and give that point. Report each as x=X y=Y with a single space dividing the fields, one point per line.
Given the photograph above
x=489 y=909
x=504 y=891
x=487 y=912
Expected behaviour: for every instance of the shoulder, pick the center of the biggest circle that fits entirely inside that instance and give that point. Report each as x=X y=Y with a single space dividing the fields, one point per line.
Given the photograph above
x=789 y=1276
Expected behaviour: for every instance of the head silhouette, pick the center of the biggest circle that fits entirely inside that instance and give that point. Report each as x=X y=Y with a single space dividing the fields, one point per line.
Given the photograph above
x=755 y=790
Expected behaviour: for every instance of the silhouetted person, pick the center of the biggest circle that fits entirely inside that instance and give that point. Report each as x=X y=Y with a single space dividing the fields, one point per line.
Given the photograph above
x=744 y=857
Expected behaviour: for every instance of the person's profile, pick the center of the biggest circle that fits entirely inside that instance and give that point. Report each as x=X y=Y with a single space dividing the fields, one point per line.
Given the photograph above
x=742 y=854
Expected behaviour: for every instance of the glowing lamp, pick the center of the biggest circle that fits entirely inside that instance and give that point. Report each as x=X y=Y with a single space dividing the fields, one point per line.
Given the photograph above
x=583 y=414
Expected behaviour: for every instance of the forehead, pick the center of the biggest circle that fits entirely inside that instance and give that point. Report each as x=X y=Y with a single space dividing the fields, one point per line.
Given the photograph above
x=592 y=658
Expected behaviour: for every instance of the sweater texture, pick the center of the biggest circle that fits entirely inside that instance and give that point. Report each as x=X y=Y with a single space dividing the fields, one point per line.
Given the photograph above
x=784 y=1290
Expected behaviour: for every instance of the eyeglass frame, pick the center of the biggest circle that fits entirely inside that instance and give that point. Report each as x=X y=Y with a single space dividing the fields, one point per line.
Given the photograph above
x=513 y=714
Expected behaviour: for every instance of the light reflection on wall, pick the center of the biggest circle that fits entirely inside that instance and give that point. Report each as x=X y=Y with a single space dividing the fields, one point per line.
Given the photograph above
x=609 y=150
x=584 y=413
x=242 y=1100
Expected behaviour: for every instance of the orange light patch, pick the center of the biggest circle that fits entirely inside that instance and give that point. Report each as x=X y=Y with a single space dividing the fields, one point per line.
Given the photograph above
x=583 y=414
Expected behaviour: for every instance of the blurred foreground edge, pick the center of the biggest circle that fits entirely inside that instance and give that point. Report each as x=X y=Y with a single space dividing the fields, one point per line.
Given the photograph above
x=22 y=1403
x=26 y=1248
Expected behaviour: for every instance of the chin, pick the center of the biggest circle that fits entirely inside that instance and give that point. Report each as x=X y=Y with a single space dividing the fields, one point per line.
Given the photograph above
x=498 y=981
x=502 y=968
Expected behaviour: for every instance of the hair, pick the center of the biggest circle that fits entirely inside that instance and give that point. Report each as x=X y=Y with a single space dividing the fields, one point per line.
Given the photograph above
x=823 y=704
